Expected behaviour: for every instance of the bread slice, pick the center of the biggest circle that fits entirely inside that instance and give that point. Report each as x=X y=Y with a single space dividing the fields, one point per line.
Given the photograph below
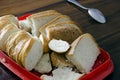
x=62 y=74
x=31 y=53
x=38 y=21
x=45 y=42
x=59 y=46
x=5 y=33
x=59 y=60
x=67 y=31
x=11 y=18
x=83 y=53
x=44 y=64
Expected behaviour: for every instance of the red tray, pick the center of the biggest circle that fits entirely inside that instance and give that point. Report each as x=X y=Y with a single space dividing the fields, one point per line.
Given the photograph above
x=102 y=68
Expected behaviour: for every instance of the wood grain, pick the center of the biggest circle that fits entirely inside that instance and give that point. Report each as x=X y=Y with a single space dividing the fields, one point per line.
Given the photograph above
x=21 y=6
x=107 y=35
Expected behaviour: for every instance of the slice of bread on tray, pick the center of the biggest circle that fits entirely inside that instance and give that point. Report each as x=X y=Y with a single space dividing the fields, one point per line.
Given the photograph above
x=44 y=64
x=83 y=53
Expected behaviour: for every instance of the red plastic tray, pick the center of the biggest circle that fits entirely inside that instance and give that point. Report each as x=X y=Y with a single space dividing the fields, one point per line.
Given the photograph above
x=102 y=68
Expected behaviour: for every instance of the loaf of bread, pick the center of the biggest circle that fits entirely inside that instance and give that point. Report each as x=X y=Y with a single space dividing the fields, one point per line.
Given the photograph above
x=24 y=49
x=83 y=53
x=20 y=45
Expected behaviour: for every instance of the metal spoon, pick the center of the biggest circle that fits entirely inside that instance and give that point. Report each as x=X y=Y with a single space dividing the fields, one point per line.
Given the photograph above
x=94 y=13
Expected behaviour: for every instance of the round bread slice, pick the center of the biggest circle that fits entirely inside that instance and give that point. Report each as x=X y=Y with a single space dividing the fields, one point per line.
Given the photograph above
x=31 y=53
x=67 y=31
x=83 y=53
x=58 y=46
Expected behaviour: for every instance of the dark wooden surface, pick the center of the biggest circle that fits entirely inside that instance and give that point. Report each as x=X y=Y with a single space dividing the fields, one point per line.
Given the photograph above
x=107 y=35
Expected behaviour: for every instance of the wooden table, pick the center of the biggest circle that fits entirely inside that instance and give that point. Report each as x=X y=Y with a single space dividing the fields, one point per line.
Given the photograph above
x=107 y=35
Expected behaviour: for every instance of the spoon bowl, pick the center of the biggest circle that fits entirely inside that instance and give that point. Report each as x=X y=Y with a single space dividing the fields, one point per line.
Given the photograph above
x=94 y=13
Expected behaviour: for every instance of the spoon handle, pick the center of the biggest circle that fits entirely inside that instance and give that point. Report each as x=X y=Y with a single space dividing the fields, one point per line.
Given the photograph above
x=77 y=4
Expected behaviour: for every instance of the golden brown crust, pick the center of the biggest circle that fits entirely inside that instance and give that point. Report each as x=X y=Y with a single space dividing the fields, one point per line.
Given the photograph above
x=66 y=31
x=59 y=60
x=24 y=52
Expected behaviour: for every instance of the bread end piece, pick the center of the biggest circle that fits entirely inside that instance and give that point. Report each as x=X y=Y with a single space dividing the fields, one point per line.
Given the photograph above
x=83 y=53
